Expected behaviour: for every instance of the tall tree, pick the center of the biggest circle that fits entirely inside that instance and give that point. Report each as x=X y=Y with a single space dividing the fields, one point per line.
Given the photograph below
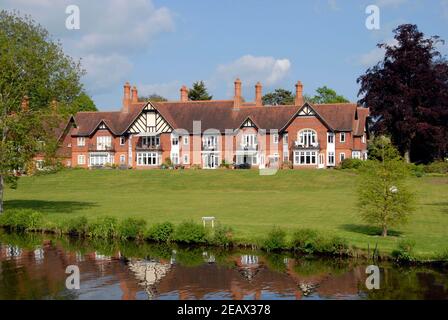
x=326 y=95
x=83 y=102
x=383 y=196
x=199 y=92
x=153 y=97
x=278 y=98
x=408 y=93
x=31 y=65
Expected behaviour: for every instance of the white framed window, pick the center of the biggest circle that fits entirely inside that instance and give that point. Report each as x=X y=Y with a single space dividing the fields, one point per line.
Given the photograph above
x=331 y=158
x=186 y=140
x=81 y=141
x=330 y=137
x=305 y=158
x=104 y=142
x=147 y=159
x=249 y=139
x=122 y=141
x=356 y=154
x=122 y=159
x=152 y=141
x=175 y=141
x=275 y=138
x=186 y=159
x=39 y=164
x=307 y=138
x=175 y=158
x=342 y=137
x=81 y=159
x=101 y=159
x=322 y=158
x=341 y=156
x=210 y=141
x=285 y=139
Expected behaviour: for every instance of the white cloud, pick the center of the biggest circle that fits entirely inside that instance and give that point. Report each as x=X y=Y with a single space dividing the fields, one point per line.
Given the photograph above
x=251 y=69
x=111 y=32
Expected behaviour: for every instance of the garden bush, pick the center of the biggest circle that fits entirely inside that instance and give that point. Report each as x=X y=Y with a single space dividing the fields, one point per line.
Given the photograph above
x=104 y=227
x=311 y=242
x=21 y=219
x=76 y=226
x=276 y=240
x=404 y=252
x=131 y=228
x=440 y=167
x=221 y=236
x=160 y=232
x=189 y=232
x=351 y=163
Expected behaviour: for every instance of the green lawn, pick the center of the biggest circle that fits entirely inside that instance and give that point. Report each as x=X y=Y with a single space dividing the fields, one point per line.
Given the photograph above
x=249 y=203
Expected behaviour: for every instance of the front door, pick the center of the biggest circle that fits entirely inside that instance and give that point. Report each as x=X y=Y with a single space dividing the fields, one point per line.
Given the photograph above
x=211 y=161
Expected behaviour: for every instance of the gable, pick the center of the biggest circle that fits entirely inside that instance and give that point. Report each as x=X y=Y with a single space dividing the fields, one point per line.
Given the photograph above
x=150 y=121
x=248 y=124
x=306 y=111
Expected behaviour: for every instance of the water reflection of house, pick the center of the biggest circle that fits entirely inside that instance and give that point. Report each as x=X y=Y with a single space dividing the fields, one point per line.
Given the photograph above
x=149 y=273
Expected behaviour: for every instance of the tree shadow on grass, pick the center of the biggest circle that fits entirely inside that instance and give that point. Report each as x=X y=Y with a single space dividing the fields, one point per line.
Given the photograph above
x=443 y=206
x=369 y=230
x=43 y=206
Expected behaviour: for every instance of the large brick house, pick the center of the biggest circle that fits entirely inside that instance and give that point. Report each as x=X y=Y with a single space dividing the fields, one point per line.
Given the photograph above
x=143 y=135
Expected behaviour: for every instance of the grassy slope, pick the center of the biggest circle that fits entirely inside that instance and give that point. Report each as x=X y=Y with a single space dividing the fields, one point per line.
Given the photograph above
x=251 y=204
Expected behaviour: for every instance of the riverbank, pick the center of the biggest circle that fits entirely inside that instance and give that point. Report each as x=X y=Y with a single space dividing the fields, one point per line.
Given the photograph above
x=250 y=204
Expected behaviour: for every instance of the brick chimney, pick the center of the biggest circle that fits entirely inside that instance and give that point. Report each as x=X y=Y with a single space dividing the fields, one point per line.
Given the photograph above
x=184 y=94
x=25 y=104
x=126 y=97
x=237 y=97
x=258 y=95
x=134 y=93
x=299 y=94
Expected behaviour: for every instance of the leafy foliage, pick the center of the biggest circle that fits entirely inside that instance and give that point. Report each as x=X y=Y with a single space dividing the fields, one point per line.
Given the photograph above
x=278 y=97
x=190 y=232
x=161 y=232
x=21 y=219
x=381 y=148
x=440 y=167
x=351 y=163
x=275 y=240
x=199 y=92
x=407 y=93
x=153 y=97
x=131 y=228
x=104 y=227
x=404 y=252
x=326 y=95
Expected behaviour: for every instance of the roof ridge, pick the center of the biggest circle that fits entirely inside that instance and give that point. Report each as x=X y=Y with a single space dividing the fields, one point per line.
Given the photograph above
x=197 y=101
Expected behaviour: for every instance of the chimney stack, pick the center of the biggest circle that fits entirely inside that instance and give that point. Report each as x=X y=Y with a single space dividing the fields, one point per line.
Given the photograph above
x=134 y=95
x=126 y=97
x=299 y=94
x=237 y=97
x=258 y=95
x=25 y=104
x=184 y=94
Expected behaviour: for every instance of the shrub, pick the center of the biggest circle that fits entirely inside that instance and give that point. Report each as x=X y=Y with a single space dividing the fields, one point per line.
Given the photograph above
x=310 y=241
x=224 y=164
x=351 y=163
x=105 y=227
x=417 y=170
x=404 y=251
x=21 y=219
x=189 y=232
x=76 y=225
x=161 y=232
x=440 y=167
x=275 y=240
x=222 y=236
x=131 y=228
x=305 y=241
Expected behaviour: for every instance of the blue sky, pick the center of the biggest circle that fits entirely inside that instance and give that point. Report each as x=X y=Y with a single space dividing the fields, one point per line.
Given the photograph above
x=161 y=45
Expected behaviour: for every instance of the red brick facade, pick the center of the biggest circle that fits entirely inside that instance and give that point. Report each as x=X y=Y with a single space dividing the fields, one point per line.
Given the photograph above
x=145 y=135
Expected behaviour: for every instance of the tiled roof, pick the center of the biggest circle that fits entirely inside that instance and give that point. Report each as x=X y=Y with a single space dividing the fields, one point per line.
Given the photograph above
x=220 y=115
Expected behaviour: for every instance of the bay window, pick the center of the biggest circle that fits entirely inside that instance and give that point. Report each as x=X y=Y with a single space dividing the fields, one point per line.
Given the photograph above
x=147 y=159
x=304 y=158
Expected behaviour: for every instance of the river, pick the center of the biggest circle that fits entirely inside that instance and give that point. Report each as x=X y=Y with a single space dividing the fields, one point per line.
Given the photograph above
x=33 y=266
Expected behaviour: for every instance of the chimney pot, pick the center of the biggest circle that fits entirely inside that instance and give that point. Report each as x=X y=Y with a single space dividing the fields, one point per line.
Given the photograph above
x=184 y=94
x=237 y=97
x=134 y=94
x=258 y=95
x=299 y=94
x=126 y=97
